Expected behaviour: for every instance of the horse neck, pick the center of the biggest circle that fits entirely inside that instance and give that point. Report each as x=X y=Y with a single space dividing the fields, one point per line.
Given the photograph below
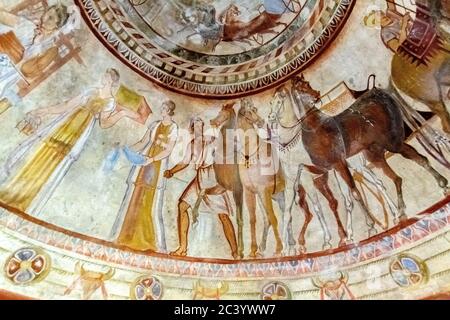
x=226 y=16
x=313 y=118
x=249 y=130
x=230 y=125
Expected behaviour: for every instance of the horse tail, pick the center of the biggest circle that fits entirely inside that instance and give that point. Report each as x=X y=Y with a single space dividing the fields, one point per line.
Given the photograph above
x=409 y=114
x=417 y=124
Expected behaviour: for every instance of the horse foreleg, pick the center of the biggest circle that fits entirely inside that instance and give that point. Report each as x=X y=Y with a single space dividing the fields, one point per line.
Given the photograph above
x=191 y=35
x=349 y=206
x=250 y=200
x=287 y=233
x=370 y=176
x=380 y=162
x=215 y=44
x=266 y=226
x=321 y=184
x=323 y=223
x=238 y=200
x=266 y=198
x=343 y=170
x=308 y=217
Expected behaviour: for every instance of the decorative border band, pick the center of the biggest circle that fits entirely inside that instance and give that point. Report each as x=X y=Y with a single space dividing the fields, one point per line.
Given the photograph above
x=172 y=77
x=435 y=221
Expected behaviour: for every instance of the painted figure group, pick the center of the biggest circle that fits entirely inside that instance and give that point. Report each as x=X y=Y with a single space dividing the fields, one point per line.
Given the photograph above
x=227 y=173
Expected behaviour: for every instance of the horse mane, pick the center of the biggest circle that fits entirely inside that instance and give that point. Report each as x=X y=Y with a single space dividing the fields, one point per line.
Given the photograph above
x=223 y=17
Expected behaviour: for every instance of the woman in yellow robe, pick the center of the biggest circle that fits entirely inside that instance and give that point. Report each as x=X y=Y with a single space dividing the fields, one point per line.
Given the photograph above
x=38 y=165
x=143 y=201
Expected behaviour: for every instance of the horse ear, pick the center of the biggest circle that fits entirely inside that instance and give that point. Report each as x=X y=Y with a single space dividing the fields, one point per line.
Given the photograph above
x=230 y=105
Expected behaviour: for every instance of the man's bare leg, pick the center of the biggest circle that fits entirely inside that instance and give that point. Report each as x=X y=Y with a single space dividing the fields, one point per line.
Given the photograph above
x=228 y=229
x=183 y=229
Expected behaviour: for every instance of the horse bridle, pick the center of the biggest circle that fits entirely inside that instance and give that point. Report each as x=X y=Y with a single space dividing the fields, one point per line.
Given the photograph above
x=299 y=121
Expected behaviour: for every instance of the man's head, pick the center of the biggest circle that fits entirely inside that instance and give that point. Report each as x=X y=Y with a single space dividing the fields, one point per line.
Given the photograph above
x=168 y=108
x=376 y=18
x=55 y=17
x=196 y=126
x=111 y=77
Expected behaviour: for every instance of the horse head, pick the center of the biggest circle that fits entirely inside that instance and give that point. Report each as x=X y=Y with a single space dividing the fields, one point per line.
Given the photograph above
x=278 y=102
x=226 y=114
x=303 y=94
x=231 y=13
x=249 y=113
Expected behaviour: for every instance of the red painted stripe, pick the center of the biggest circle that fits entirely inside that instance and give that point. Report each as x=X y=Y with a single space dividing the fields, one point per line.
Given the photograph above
x=7 y=295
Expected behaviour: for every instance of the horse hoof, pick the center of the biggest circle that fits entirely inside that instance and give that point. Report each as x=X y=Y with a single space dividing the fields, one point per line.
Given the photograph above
x=372 y=232
x=342 y=243
x=256 y=255
x=446 y=191
x=402 y=218
x=236 y=256
x=278 y=255
x=349 y=241
x=292 y=251
x=302 y=249
x=178 y=253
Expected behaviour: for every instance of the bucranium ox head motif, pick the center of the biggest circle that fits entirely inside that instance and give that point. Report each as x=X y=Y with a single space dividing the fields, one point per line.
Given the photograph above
x=90 y=281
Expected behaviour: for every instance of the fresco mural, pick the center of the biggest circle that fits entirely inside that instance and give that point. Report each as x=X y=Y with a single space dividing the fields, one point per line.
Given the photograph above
x=286 y=149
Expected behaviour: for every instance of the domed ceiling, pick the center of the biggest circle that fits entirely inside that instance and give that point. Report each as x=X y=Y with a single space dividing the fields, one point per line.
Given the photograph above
x=182 y=149
x=217 y=49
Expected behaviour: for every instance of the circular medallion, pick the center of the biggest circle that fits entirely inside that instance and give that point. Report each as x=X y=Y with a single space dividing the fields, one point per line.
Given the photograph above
x=407 y=271
x=276 y=291
x=216 y=49
x=27 y=265
x=146 y=288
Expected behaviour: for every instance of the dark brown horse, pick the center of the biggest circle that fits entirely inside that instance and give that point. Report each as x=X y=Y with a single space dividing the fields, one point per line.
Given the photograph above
x=237 y=30
x=226 y=164
x=372 y=125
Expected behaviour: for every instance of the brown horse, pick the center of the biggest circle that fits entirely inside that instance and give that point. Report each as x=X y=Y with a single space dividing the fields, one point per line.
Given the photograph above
x=237 y=30
x=373 y=125
x=424 y=81
x=226 y=164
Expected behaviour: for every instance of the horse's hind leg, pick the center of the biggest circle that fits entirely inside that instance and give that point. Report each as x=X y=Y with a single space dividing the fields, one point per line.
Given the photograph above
x=441 y=111
x=439 y=107
x=266 y=198
x=250 y=200
x=238 y=199
x=343 y=170
x=321 y=184
x=410 y=153
x=308 y=217
x=287 y=233
x=265 y=232
x=282 y=24
x=378 y=160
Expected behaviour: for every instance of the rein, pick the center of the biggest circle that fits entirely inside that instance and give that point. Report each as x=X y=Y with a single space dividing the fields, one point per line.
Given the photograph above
x=299 y=121
x=283 y=147
x=289 y=6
